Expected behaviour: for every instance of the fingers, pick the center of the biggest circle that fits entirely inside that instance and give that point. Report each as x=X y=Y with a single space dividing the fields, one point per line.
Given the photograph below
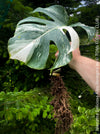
x=56 y=54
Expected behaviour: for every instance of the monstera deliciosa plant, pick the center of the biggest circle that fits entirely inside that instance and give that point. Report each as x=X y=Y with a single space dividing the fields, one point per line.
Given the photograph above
x=32 y=37
x=30 y=45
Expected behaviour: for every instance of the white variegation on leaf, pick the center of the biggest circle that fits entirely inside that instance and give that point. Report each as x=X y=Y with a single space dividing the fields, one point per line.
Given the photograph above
x=32 y=37
x=74 y=37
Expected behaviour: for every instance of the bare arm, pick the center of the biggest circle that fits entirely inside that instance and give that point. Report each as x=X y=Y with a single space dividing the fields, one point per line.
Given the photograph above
x=89 y=70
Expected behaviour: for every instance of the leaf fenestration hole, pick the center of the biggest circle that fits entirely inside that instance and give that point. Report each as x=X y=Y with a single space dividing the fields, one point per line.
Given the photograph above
x=44 y=16
x=82 y=33
x=67 y=34
x=30 y=22
x=52 y=51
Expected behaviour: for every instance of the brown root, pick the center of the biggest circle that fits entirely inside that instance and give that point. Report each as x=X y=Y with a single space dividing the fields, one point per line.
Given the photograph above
x=61 y=105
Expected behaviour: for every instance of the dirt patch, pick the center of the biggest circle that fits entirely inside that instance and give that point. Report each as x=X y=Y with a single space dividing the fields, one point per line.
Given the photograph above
x=61 y=105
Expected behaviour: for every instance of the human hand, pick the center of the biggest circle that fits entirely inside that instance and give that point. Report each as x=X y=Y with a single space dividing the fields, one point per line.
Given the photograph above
x=75 y=55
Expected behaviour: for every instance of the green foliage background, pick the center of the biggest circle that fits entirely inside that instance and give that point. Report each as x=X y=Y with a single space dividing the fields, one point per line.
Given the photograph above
x=25 y=93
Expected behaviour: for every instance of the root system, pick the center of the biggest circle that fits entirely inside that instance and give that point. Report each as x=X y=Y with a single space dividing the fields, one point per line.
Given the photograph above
x=61 y=105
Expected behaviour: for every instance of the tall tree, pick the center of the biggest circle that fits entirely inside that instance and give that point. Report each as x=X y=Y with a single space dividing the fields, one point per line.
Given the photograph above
x=89 y=13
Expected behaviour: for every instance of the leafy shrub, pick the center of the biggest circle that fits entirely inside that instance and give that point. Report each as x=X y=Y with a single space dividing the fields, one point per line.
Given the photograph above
x=27 y=112
x=84 y=121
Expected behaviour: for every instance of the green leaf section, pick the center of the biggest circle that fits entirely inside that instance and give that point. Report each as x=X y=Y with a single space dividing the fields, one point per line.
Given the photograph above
x=84 y=121
x=28 y=108
x=22 y=104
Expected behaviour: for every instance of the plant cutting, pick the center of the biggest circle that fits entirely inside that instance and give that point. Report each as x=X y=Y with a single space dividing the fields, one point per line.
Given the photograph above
x=30 y=45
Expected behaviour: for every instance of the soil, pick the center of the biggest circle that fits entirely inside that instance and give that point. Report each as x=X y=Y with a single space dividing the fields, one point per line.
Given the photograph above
x=60 y=102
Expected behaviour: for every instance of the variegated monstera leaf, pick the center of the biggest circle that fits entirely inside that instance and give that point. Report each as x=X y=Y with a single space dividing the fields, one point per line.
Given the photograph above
x=32 y=37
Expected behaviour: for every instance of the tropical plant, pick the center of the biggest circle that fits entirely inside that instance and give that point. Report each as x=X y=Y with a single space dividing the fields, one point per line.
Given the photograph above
x=85 y=119
x=33 y=35
x=31 y=43
x=27 y=112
